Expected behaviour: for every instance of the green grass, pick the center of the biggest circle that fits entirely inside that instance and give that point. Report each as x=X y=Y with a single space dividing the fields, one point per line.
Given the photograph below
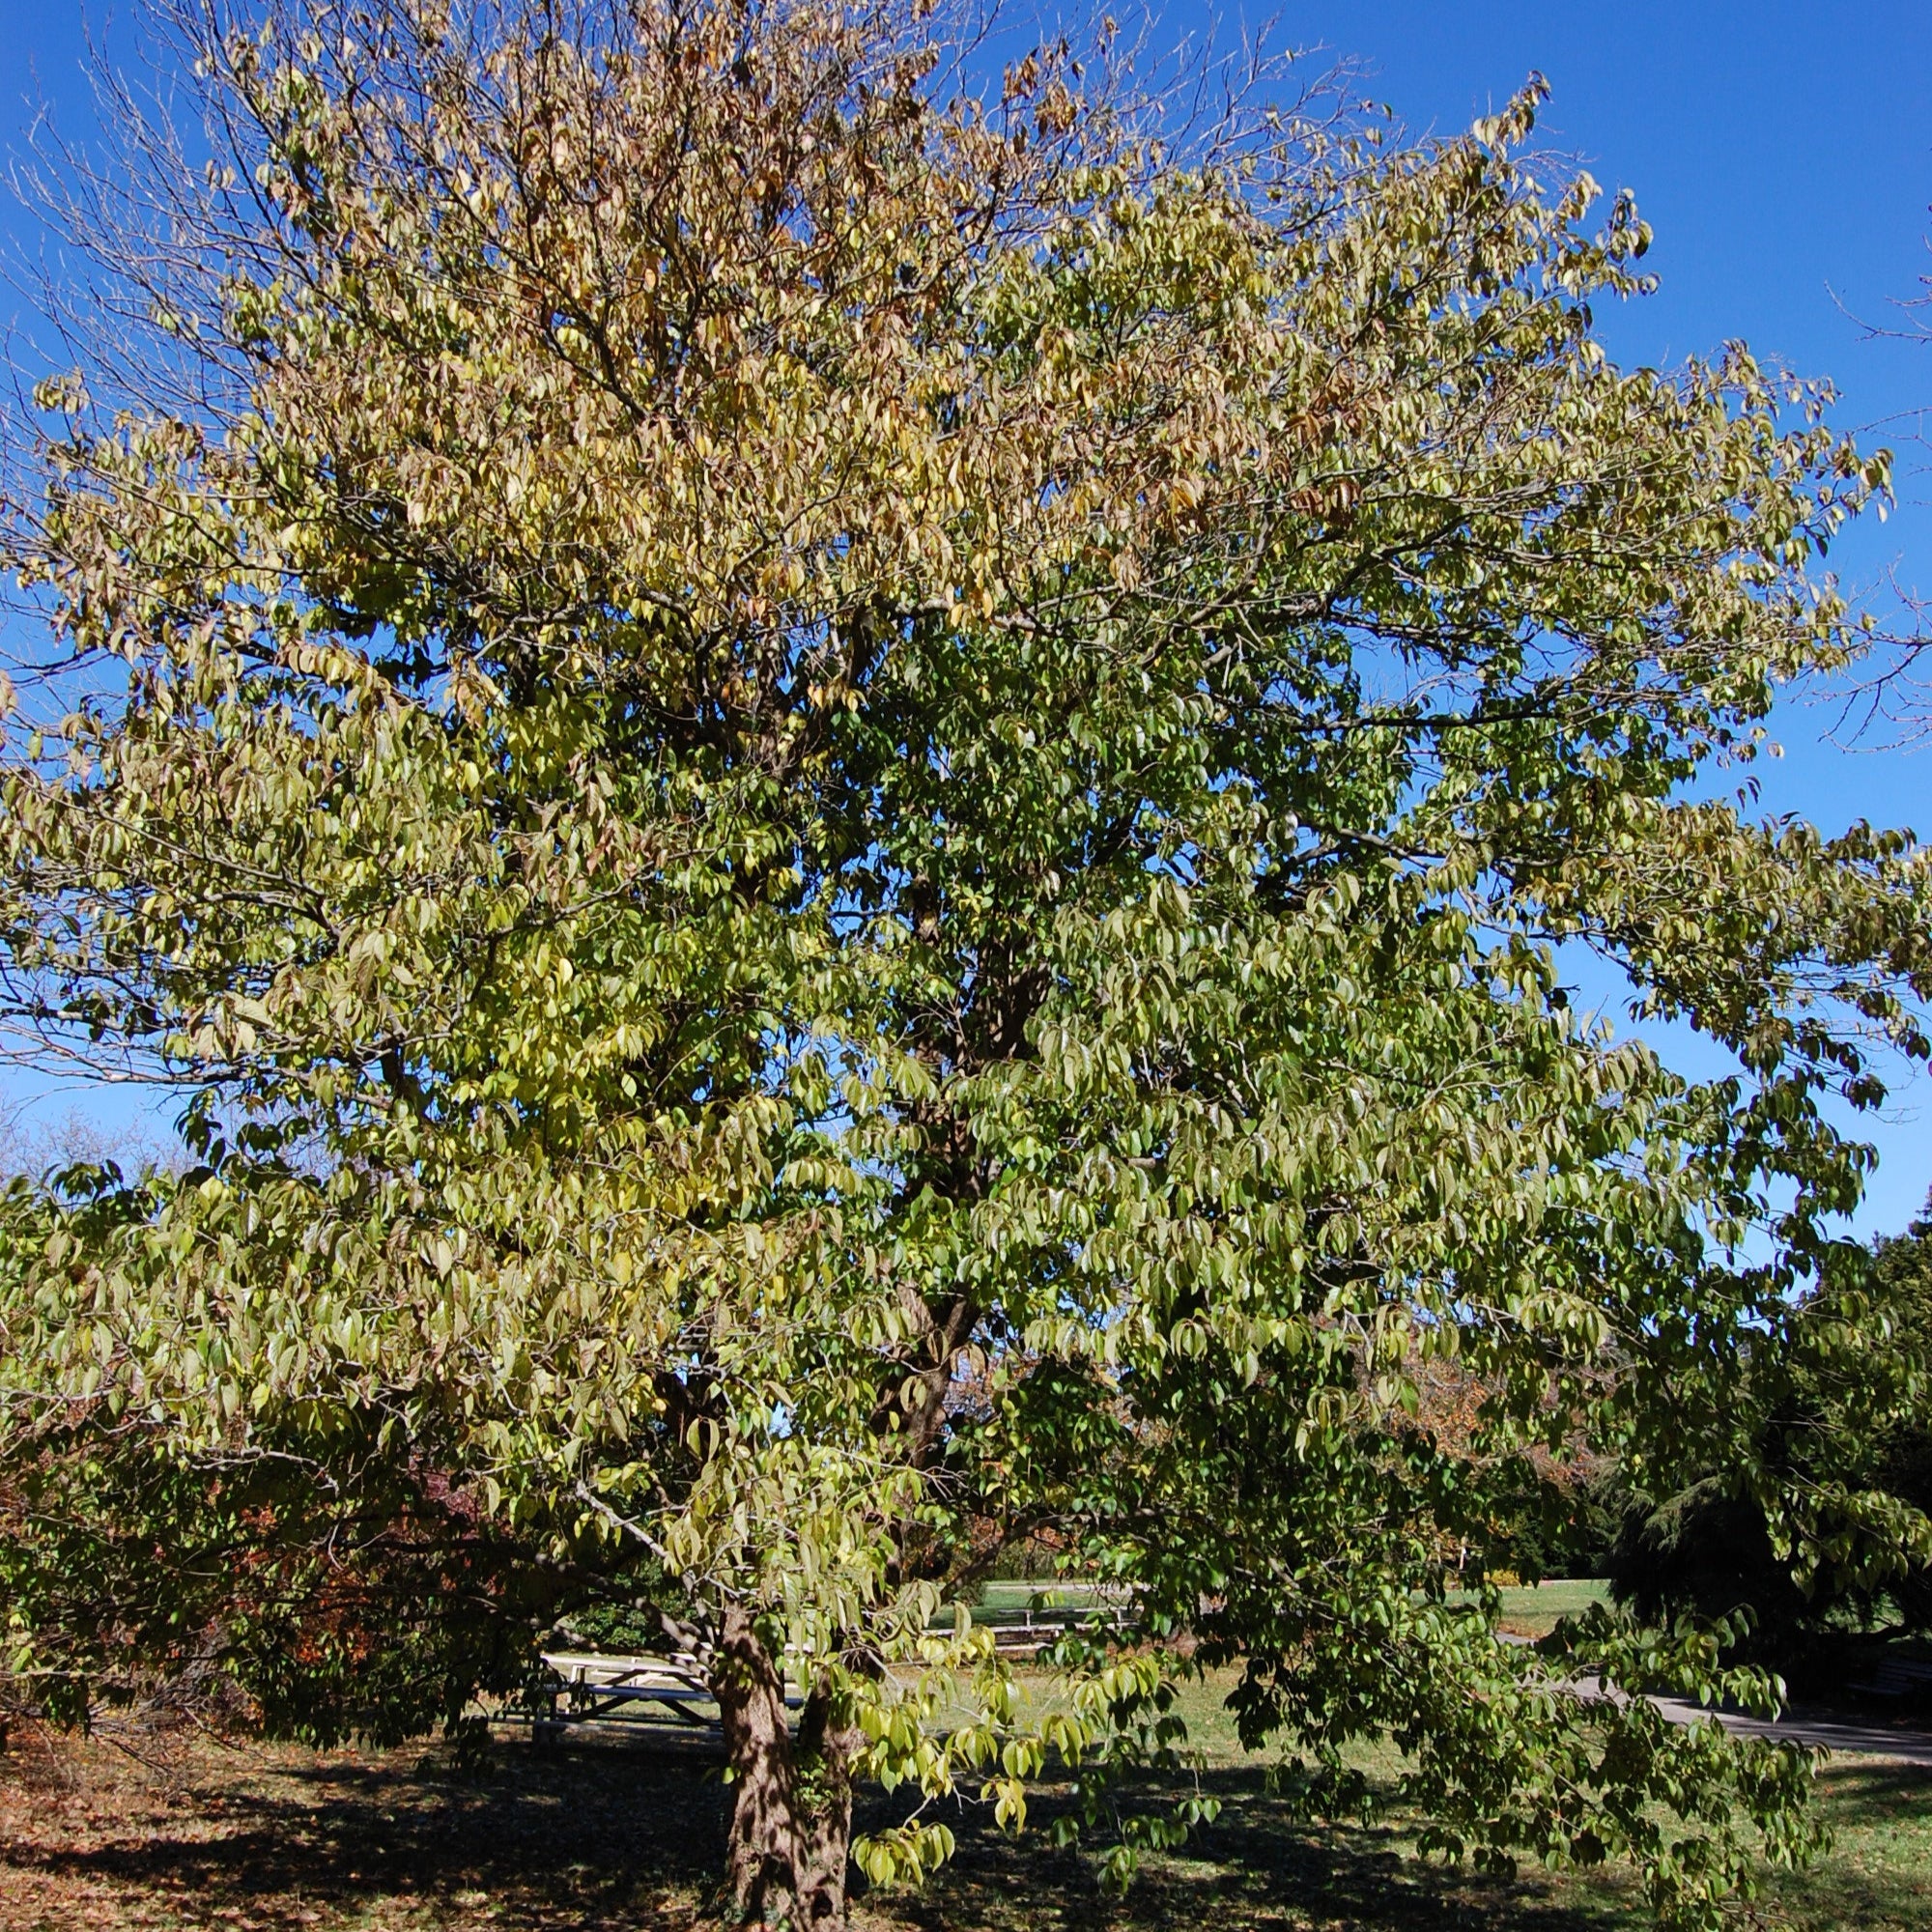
x=1256 y=1871
x=1528 y=1609
x=1879 y=1871
x=1051 y=1593
x=1876 y=1877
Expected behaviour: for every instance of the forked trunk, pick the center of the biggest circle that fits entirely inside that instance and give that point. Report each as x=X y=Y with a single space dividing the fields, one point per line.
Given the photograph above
x=791 y=1822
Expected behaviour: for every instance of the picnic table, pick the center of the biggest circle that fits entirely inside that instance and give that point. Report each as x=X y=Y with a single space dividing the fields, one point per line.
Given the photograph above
x=579 y=1686
x=584 y=1686
x=1025 y=1631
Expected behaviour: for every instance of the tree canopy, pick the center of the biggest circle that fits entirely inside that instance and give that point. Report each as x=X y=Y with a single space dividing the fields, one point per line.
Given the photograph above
x=856 y=811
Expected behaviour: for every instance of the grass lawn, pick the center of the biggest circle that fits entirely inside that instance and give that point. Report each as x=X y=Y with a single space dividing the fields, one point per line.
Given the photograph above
x=1531 y=1609
x=1009 y=1598
x=1528 y=1609
x=628 y=1834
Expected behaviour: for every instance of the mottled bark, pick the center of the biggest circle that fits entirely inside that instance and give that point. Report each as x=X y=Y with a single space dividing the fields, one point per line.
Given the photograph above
x=763 y=1854
x=828 y=1743
x=791 y=1819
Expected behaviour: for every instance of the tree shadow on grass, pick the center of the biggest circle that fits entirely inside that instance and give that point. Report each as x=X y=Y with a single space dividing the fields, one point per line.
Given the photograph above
x=1882 y=1813
x=1255 y=1867
x=590 y=1836
x=1878 y=1790
x=629 y=1832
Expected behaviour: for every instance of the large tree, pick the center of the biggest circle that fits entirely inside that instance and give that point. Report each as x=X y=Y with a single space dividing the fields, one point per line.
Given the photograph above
x=852 y=808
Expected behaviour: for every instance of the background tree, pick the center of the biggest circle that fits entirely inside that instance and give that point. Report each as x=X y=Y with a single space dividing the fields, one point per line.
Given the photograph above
x=847 y=808
x=1843 y=1455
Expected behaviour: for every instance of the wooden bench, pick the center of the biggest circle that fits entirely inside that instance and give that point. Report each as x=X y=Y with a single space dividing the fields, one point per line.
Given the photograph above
x=1898 y=1677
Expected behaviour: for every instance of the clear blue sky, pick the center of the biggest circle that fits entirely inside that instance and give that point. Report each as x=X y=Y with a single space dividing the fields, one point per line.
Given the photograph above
x=1782 y=153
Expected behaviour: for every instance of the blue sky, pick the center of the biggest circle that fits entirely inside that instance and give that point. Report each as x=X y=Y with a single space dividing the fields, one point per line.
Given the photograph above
x=1784 y=154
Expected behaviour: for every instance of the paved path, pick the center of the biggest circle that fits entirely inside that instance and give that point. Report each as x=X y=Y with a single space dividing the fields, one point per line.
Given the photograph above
x=1877 y=1738
x=1909 y=1740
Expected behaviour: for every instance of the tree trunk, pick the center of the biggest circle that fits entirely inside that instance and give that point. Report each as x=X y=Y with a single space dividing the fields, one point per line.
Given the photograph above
x=827 y=1743
x=762 y=1860
x=791 y=1824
